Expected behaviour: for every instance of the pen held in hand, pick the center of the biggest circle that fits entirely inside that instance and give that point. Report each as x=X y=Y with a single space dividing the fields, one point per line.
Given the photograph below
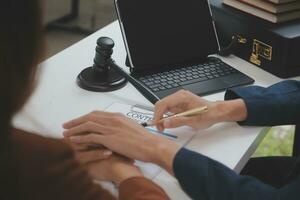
x=189 y=113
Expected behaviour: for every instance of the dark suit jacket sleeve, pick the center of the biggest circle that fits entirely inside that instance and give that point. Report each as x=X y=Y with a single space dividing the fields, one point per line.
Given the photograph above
x=276 y=105
x=47 y=170
x=205 y=179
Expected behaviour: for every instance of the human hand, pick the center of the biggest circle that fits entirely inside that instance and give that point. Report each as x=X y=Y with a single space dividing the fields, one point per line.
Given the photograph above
x=115 y=169
x=85 y=153
x=183 y=100
x=121 y=135
x=103 y=165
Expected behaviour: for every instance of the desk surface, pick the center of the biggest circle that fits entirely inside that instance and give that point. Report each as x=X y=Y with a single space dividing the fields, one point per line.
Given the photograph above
x=58 y=99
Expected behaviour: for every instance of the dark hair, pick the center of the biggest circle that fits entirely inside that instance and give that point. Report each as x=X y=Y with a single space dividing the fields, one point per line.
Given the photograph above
x=20 y=45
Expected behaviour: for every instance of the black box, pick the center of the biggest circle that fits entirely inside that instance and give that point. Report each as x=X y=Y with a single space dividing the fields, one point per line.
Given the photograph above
x=272 y=47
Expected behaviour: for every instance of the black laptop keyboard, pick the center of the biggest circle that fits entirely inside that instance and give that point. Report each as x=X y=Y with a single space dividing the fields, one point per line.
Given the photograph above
x=188 y=75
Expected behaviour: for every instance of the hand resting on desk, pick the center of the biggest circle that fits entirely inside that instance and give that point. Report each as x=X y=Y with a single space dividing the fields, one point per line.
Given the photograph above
x=103 y=165
x=116 y=169
x=124 y=136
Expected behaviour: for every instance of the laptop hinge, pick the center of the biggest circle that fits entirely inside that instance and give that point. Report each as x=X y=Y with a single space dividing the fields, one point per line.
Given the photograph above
x=187 y=63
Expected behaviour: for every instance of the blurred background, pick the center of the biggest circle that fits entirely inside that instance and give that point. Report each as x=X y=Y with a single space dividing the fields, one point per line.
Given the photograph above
x=95 y=14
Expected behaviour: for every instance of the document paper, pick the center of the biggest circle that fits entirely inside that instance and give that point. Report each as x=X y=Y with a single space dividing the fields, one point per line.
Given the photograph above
x=180 y=135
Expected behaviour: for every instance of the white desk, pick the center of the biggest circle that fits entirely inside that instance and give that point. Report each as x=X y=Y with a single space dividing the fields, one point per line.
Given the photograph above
x=58 y=99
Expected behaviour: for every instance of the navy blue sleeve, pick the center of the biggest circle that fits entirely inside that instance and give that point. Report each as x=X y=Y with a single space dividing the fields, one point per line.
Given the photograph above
x=205 y=179
x=276 y=105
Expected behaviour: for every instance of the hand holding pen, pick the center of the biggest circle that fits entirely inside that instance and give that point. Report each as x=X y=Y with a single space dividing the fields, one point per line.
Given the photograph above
x=210 y=112
x=191 y=111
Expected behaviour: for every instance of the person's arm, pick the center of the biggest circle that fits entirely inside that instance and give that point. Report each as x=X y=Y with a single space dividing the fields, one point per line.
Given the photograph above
x=275 y=105
x=127 y=177
x=139 y=188
x=47 y=169
x=204 y=178
x=199 y=176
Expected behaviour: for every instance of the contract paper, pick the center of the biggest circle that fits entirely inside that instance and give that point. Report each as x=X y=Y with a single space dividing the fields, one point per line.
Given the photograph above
x=141 y=114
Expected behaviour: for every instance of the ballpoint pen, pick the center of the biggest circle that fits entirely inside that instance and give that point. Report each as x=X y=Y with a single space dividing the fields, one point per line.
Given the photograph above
x=189 y=113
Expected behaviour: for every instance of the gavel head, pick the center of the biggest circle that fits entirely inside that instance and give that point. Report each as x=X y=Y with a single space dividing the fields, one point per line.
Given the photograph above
x=101 y=77
x=104 y=51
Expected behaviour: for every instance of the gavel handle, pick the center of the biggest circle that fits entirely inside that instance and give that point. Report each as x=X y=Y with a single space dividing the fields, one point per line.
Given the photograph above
x=139 y=86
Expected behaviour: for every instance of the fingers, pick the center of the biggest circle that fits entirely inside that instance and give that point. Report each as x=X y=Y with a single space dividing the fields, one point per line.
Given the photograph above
x=160 y=127
x=79 y=147
x=87 y=127
x=162 y=106
x=175 y=122
x=84 y=147
x=92 y=156
x=88 y=139
x=95 y=116
x=78 y=121
x=170 y=103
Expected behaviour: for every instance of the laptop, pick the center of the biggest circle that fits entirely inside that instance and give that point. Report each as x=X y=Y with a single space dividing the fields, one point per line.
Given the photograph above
x=169 y=44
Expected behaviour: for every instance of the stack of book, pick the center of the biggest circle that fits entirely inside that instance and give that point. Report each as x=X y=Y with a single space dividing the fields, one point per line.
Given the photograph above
x=275 y=11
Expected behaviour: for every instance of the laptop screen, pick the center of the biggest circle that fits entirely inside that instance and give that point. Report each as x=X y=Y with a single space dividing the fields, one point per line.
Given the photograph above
x=165 y=33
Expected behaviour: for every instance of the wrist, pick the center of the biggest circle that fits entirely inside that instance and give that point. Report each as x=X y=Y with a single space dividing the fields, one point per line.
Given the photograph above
x=232 y=111
x=124 y=172
x=164 y=154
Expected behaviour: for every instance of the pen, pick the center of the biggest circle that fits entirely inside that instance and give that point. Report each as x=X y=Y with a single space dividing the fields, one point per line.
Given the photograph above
x=189 y=113
x=163 y=133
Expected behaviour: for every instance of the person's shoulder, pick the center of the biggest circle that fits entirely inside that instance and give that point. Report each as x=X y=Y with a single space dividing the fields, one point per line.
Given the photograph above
x=30 y=146
x=46 y=165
